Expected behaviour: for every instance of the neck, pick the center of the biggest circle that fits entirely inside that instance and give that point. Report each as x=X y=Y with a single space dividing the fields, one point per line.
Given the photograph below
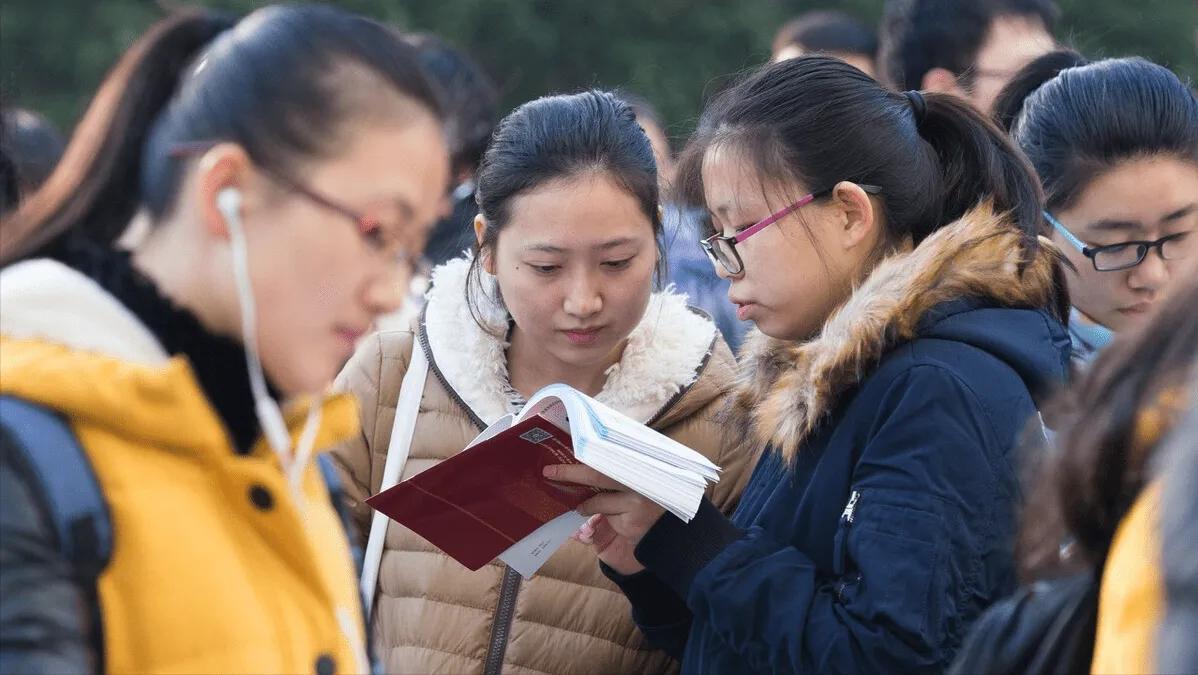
x=182 y=277
x=530 y=368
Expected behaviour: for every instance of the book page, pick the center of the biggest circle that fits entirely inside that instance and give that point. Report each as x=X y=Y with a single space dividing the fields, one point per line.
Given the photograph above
x=527 y=555
x=502 y=424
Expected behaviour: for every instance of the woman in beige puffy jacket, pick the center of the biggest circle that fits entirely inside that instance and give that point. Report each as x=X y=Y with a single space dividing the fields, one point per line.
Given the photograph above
x=561 y=290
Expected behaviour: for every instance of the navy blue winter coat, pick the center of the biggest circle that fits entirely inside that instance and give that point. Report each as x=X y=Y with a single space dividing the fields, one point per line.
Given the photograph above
x=893 y=528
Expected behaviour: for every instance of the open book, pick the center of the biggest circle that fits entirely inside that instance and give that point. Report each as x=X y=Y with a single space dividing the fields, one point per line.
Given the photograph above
x=491 y=501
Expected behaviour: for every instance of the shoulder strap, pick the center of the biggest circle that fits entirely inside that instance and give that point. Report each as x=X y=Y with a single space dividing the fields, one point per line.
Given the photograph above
x=64 y=478
x=48 y=454
x=407 y=408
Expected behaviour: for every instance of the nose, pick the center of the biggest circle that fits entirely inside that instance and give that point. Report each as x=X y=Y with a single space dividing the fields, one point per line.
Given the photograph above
x=723 y=273
x=1150 y=275
x=584 y=298
x=386 y=291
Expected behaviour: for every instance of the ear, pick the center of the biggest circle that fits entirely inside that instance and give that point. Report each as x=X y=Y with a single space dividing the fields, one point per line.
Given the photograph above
x=224 y=166
x=861 y=225
x=486 y=256
x=941 y=81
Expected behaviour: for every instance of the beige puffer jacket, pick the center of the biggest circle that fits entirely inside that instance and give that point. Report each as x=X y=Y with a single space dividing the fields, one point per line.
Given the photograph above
x=435 y=616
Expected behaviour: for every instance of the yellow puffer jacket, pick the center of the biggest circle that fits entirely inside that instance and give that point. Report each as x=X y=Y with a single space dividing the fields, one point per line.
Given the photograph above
x=1131 y=602
x=216 y=566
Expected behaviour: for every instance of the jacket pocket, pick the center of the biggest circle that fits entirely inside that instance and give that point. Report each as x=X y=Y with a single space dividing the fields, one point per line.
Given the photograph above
x=889 y=556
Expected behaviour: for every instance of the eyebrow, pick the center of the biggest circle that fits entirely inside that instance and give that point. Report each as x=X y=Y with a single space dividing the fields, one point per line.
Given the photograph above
x=605 y=246
x=1180 y=213
x=1125 y=225
x=1115 y=226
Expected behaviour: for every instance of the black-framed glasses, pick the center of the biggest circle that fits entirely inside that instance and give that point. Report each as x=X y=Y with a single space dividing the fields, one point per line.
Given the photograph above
x=1124 y=255
x=721 y=250
x=382 y=239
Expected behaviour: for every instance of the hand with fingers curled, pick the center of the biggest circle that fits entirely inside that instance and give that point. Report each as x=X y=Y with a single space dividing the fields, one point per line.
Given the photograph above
x=619 y=516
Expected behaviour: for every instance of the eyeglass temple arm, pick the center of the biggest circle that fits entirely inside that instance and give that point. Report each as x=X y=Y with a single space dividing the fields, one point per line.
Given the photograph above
x=1072 y=238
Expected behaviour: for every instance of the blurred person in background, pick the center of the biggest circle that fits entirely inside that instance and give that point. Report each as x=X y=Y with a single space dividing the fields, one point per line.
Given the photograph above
x=1103 y=556
x=831 y=33
x=32 y=145
x=471 y=108
x=1115 y=144
x=970 y=48
x=166 y=502
x=560 y=288
x=687 y=267
x=1177 y=650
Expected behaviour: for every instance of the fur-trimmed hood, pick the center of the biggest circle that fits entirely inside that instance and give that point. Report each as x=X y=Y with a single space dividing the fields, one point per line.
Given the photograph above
x=786 y=389
x=665 y=354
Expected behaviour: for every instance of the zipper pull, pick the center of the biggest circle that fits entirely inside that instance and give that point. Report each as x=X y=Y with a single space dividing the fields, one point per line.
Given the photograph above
x=851 y=508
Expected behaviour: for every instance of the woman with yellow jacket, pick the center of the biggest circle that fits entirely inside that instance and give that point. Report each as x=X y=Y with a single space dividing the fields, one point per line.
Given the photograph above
x=561 y=290
x=260 y=159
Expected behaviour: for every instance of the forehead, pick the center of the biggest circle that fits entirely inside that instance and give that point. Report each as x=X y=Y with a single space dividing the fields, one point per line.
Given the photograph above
x=1012 y=41
x=406 y=161
x=577 y=211
x=733 y=184
x=1142 y=191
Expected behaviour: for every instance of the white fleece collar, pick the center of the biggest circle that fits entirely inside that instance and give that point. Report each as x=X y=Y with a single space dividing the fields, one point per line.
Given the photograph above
x=44 y=299
x=663 y=355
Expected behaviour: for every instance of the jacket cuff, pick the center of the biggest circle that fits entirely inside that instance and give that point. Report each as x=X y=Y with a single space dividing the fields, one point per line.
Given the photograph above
x=676 y=551
x=653 y=602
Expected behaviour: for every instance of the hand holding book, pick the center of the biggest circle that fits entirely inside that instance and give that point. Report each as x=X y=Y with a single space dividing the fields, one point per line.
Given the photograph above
x=495 y=498
x=625 y=516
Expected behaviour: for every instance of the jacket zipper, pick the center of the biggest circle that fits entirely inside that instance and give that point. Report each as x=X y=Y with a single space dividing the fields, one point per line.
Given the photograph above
x=501 y=621
x=850 y=509
x=850 y=512
x=501 y=627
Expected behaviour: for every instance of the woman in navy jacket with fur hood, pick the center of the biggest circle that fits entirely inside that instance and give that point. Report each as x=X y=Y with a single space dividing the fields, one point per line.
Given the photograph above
x=886 y=246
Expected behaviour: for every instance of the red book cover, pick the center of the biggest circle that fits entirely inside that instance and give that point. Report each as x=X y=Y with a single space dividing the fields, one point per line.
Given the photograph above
x=478 y=503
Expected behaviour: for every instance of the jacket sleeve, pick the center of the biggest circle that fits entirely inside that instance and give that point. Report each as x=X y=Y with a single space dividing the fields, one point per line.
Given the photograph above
x=44 y=616
x=657 y=610
x=908 y=555
x=364 y=377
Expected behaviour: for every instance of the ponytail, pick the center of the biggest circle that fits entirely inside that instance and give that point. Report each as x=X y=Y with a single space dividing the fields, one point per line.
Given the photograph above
x=94 y=188
x=978 y=161
x=1009 y=103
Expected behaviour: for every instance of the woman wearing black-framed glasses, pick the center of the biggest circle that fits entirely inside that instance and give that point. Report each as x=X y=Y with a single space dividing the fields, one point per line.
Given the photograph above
x=1115 y=144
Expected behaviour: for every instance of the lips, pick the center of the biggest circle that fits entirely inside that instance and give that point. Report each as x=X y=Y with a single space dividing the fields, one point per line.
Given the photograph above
x=351 y=335
x=743 y=308
x=1136 y=310
x=583 y=336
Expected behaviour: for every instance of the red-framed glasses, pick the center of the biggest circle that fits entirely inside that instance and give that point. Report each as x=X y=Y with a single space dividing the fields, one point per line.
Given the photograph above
x=370 y=227
x=721 y=249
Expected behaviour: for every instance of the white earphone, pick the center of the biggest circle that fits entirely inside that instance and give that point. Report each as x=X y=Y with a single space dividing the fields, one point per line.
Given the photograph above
x=270 y=417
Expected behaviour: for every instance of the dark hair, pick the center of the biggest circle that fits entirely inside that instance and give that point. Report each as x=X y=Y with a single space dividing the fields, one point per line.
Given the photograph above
x=919 y=35
x=1030 y=78
x=557 y=137
x=1107 y=442
x=817 y=121
x=33 y=146
x=9 y=190
x=1089 y=118
x=827 y=31
x=470 y=98
x=276 y=84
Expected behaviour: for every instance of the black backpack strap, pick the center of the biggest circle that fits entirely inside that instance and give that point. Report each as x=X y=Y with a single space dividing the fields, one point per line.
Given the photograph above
x=47 y=452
